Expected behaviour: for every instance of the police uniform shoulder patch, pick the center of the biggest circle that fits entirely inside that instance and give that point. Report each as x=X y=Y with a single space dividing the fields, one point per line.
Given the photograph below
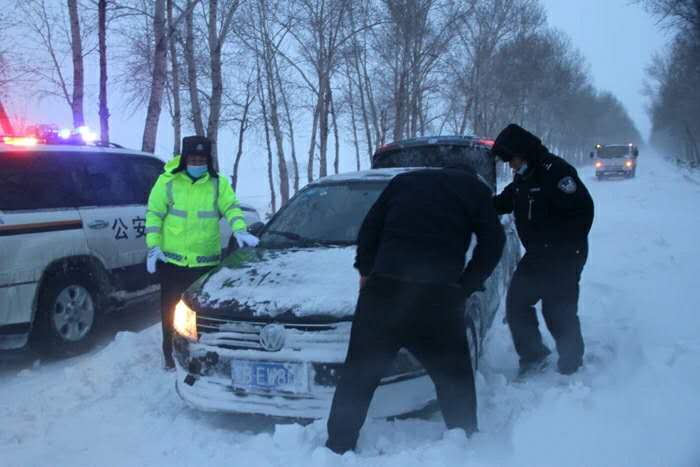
x=567 y=185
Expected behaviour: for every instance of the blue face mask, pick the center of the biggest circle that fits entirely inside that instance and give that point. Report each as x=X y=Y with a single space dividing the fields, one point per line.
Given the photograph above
x=196 y=171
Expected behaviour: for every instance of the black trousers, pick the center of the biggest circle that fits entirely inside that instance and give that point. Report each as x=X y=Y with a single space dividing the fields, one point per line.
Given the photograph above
x=174 y=280
x=427 y=320
x=553 y=279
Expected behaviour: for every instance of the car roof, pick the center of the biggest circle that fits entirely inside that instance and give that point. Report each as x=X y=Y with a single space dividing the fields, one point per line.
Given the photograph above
x=364 y=176
x=429 y=140
x=63 y=148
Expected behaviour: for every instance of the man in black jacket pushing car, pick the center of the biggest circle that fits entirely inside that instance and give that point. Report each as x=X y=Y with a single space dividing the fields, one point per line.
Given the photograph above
x=553 y=214
x=413 y=286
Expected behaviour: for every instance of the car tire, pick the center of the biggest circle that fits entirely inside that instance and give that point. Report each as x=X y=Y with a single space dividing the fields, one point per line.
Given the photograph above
x=67 y=313
x=473 y=343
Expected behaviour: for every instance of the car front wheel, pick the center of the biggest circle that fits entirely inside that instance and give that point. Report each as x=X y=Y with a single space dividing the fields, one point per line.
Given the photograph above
x=67 y=312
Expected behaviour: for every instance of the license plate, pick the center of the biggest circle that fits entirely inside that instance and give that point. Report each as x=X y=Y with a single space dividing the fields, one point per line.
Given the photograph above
x=255 y=376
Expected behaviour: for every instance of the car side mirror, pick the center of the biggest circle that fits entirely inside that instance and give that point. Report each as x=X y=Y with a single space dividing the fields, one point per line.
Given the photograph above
x=256 y=228
x=636 y=153
x=592 y=155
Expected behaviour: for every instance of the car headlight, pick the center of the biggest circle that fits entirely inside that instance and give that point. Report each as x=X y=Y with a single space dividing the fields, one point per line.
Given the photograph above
x=185 y=321
x=629 y=164
x=598 y=165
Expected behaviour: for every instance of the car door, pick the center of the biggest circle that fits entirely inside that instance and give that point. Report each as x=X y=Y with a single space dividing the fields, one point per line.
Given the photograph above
x=144 y=170
x=112 y=211
x=38 y=225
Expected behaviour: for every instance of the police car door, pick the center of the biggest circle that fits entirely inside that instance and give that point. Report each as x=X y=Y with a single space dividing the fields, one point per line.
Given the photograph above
x=113 y=213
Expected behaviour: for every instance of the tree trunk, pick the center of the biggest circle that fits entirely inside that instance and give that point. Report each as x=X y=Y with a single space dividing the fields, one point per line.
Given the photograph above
x=290 y=125
x=241 y=132
x=267 y=58
x=192 y=86
x=150 y=131
x=353 y=120
x=78 y=71
x=323 y=126
x=268 y=143
x=217 y=84
x=336 y=139
x=102 y=39
x=312 y=145
x=5 y=124
x=175 y=77
x=361 y=90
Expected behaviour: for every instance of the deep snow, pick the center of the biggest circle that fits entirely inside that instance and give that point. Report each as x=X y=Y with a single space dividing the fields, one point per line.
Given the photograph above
x=636 y=403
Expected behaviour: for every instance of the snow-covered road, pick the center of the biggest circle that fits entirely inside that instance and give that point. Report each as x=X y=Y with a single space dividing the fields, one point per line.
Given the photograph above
x=636 y=403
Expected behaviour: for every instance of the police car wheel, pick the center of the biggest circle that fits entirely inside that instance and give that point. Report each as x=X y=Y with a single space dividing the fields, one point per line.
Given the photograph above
x=67 y=314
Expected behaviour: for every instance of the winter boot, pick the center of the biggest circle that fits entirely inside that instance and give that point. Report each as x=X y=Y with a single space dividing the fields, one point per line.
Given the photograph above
x=534 y=365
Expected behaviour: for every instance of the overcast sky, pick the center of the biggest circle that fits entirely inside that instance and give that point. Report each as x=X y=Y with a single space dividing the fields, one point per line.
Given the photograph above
x=618 y=39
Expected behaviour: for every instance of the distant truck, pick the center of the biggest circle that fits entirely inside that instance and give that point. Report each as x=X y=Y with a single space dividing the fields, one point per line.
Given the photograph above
x=615 y=160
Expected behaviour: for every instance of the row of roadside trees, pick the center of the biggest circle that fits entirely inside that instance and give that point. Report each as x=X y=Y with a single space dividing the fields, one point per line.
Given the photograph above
x=317 y=80
x=673 y=82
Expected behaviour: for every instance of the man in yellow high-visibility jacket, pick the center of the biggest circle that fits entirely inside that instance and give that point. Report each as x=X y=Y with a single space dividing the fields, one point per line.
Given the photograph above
x=182 y=226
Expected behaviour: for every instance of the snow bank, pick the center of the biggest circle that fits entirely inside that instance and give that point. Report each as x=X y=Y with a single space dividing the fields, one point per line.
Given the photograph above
x=636 y=402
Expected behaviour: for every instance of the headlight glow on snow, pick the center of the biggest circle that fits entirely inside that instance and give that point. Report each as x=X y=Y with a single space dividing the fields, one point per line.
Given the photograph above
x=185 y=321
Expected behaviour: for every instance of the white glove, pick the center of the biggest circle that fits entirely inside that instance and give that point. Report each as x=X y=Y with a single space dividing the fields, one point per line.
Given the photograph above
x=155 y=254
x=245 y=239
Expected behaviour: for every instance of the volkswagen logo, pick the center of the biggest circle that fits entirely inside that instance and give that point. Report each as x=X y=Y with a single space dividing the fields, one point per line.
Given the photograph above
x=272 y=337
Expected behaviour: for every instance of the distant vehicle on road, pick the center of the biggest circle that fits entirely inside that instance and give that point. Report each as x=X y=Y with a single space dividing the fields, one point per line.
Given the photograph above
x=615 y=160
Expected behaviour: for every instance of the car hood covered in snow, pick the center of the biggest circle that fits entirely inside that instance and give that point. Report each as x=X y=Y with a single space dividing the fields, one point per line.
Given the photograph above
x=291 y=284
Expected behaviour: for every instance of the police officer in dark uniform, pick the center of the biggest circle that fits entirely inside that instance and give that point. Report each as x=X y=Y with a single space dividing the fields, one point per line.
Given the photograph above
x=410 y=255
x=553 y=214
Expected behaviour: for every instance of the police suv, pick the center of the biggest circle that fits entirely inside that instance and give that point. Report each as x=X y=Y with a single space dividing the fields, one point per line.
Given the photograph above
x=72 y=235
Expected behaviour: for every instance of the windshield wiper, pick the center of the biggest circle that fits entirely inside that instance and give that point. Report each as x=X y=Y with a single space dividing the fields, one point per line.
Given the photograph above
x=295 y=237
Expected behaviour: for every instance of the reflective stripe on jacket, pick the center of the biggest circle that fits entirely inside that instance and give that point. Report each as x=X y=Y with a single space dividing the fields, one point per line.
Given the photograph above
x=183 y=216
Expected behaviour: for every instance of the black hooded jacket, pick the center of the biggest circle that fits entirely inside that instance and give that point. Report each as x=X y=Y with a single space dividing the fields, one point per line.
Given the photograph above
x=420 y=228
x=552 y=207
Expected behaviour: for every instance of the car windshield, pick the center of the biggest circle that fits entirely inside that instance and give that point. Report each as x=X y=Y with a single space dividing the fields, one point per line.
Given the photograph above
x=614 y=151
x=323 y=215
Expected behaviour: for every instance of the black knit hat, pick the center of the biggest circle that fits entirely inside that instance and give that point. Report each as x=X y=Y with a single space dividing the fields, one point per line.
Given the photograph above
x=196 y=146
x=515 y=141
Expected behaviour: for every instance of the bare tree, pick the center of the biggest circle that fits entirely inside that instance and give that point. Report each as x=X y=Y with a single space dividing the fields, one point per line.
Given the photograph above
x=52 y=36
x=78 y=68
x=244 y=124
x=161 y=35
x=176 y=107
x=319 y=34
x=192 y=81
x=102 y=40
x=268 y=144
x=150 y=130
x=219 y=27
x=672 y=81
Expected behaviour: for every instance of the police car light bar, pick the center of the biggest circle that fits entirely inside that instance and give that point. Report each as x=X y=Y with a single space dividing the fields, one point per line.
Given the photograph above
x=50 y=134
x=20 y=140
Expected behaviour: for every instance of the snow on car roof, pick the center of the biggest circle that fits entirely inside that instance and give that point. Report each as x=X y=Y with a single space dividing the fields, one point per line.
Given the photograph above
x=365 y=175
